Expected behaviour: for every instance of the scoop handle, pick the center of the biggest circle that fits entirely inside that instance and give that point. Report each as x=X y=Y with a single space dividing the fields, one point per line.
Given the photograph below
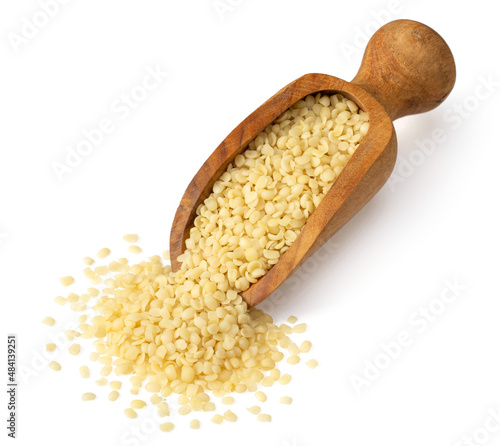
x=407 y=67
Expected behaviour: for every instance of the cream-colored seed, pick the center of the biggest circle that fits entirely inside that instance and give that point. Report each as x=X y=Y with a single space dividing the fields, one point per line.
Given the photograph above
x=286 y=400
x=131 y=413
x=138 y=404
x=113 y=395
x=116 y=385
x=286 y=329
x=74 y=349
x=194 y=424
x=80 y=306
x=134 y=249
x=163 y=409
x=156 y=399
x=50 y=347
x=255 y=410
x=268 y=381
x=101 y=270
x=105 y=360
x=230 y=416
x=305 y=346
x=208 y=407
x=131 y=238
x=293 y=349
x=104 y=252
x=54 y=365
x=73 y=298
x=89 y=396
x=299 y=328
x=50 y=321
x=184 y=410
x=293 y=360
x=67 y=281
x=187 y=374
x=227 y=400
x=85 y=298
x=217 y=419
x=88 y=261
x=153 y=387
x=84 y=371
x=105 y=371
x=70 y=334
x=101 y=382
x=264 y=418
x=167 y=427
x=291 y=319
x=285 y=379
x=261 y=396
x=312 y=363
x=59 y=300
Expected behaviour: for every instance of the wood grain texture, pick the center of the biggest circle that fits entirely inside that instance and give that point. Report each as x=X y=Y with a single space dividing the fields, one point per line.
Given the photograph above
x=407 y=68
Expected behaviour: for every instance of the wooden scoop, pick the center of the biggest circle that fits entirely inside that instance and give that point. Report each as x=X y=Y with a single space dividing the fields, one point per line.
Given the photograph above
x=407 y=68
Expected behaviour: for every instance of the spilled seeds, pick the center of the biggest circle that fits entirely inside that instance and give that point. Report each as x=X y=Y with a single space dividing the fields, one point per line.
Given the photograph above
x=189 y=334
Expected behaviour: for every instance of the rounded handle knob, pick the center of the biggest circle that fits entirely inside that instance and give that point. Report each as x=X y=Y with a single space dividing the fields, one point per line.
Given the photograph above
x=407 y=67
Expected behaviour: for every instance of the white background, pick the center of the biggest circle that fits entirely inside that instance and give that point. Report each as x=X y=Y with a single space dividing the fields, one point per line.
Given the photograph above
x=438 y=223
